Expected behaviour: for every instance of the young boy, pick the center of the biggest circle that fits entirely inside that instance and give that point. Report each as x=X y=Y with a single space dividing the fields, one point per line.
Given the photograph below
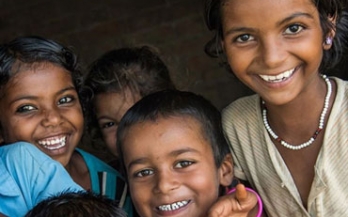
x=175 y=156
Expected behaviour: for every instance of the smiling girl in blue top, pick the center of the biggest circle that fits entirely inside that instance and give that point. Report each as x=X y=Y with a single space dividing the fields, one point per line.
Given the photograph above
x=39 y=103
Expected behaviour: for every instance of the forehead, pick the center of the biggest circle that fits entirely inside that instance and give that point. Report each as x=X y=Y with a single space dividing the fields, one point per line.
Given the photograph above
x=114 y=103
x=261 y=10
x=177 y=120
x=31 y=78
x=115 y=100
x=164 y=130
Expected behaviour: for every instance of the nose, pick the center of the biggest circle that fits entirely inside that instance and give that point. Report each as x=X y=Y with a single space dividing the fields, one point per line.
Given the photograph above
x=51 y=117
x=272 y=53
x=166 y=182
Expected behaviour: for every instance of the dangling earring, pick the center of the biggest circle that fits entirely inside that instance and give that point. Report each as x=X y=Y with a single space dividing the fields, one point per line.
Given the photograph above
x=328 y=41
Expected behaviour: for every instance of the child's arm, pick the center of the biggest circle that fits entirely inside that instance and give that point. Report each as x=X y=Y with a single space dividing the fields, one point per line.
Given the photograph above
x=240 y=203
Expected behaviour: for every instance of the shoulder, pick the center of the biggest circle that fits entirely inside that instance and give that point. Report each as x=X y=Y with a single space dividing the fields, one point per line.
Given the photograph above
x=89 y=157
x=342 y=91
x=340 y=82
x=241 y=108
x=22 y=151
x=94 y=163
x=242 y=118
x=100 y=172
x=17 y=147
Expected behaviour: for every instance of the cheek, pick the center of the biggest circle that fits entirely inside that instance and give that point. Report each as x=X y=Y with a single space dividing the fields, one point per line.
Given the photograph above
x=237 y=63
x=14 y=130
x=204 y=181
x=75 y=116
x=312 y=52
x=141 y=196
x=110 y=141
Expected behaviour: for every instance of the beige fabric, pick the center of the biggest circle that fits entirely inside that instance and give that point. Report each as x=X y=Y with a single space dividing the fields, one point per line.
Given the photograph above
x=258 y=161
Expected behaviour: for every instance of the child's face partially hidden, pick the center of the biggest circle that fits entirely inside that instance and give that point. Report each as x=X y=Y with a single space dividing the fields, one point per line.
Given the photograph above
x=110 y=108
x=273 y=46
x=171 y=168
x=40 y=105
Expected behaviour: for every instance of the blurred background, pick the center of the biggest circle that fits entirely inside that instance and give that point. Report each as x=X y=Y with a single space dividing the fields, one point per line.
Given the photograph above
x=175 y=27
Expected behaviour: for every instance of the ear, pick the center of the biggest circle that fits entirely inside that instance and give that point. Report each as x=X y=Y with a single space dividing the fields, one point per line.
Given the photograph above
x=327 y=44
x=1 y=138
x=222 y=44
x=226 y=171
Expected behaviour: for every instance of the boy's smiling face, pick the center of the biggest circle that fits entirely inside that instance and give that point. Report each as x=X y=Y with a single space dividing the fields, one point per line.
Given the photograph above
x=171 y=169
x=40 y=105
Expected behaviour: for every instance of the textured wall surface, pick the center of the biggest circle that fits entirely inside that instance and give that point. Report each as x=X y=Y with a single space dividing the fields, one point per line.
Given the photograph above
x=176 y=27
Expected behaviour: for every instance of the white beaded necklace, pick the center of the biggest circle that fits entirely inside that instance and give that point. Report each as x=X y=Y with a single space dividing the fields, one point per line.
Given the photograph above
x=316 y=133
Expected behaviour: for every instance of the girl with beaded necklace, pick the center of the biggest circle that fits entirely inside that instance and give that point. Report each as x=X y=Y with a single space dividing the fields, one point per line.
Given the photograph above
x=289 y=141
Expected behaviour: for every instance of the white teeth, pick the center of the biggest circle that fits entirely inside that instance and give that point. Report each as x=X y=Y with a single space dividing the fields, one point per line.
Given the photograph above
x=54 y=143
x=173 y=206
x=165 y=208
x=278 y=78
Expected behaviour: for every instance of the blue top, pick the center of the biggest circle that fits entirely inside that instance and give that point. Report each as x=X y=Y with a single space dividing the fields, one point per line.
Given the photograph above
x=114 y=185
x=27 y=176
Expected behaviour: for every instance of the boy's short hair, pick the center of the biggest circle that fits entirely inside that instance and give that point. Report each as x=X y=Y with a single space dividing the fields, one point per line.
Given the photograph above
x=175 y=103
x=77 y=204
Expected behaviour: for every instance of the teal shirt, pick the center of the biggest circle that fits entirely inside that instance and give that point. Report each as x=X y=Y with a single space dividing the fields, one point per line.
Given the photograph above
x=27 y=176
x=114 y=185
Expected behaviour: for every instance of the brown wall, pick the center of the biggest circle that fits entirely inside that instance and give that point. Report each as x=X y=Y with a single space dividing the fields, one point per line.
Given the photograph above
x=176 y=27
x=93 y=27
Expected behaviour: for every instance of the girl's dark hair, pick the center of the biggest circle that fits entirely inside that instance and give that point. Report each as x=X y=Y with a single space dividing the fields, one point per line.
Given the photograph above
x=32 y=50
x=138 y=68
x=175 y=103
x=326 y=9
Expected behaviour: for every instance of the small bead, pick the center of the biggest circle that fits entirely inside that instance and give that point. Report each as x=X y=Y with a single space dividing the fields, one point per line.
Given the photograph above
x=316 y=133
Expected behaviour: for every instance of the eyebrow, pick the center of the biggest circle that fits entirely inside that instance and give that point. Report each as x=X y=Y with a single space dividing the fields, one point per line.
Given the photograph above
x=287 y=19
x=239 y=29
x=293 y=16
x=172 y=154
x=107 y=117
x=34 y=97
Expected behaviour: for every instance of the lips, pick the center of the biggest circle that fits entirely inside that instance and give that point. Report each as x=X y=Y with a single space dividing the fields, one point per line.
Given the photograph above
x=278 y=78
x=53 y=143
x=173 y=206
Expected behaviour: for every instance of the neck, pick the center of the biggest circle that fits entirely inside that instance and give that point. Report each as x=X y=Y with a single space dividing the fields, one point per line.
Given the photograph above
x=302 y=120
x=78 y=170
x=308 y=106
